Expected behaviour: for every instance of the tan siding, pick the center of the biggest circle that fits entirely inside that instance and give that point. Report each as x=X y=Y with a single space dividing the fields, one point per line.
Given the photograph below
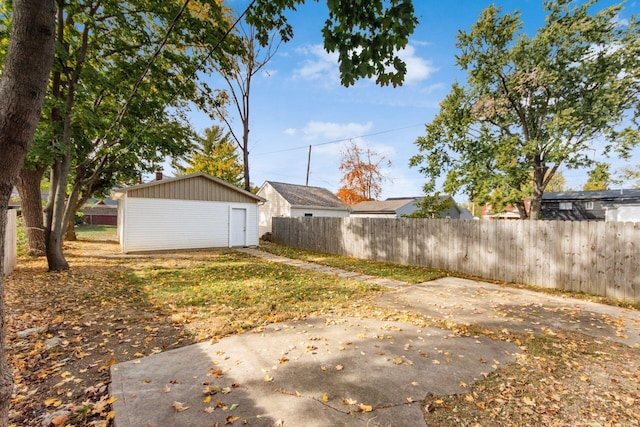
x=197 y=188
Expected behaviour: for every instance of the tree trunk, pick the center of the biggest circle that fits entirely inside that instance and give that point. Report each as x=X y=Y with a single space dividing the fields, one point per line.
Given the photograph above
x=70 y=235
x=56 y=225
x=22 y=89
x=535 y=207
x=28 y=185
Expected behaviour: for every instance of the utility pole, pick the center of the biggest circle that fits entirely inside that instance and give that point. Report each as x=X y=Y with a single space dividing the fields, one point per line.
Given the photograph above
x=308 y=166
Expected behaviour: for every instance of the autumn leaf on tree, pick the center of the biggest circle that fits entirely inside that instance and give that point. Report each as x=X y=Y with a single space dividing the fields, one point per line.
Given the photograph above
x=363 y=175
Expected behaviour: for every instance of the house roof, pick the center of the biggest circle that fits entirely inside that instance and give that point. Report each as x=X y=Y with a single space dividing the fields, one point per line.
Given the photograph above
x=391 y=205
x=382 y=206
x=593 y=195
x=301 y=195
x=117 y=194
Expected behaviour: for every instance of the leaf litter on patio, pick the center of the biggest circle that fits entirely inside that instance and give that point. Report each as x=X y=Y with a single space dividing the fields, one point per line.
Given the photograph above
x=66 y=329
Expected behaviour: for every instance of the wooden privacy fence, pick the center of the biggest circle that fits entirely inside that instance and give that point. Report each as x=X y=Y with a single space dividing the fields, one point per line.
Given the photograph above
x=599 y=258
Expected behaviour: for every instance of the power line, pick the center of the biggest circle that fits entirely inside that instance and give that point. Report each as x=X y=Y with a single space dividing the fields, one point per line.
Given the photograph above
x=337 y=140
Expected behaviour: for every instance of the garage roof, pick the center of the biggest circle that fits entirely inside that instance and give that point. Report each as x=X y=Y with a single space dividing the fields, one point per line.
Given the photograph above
x=196 y=186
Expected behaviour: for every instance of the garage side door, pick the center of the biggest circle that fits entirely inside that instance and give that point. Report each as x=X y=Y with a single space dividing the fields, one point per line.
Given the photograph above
x=159 y=224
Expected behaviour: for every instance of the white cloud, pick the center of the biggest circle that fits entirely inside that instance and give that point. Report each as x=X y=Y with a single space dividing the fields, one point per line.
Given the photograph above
x=290 y=131
x=321 y=66
x=418 y=69
x=329 y=131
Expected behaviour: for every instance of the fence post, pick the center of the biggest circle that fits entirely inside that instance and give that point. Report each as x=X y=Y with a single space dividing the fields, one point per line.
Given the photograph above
x=10 y=242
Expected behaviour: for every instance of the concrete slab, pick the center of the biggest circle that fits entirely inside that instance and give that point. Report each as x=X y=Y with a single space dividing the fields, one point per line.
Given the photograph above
x=467 y=301
x=316 y=372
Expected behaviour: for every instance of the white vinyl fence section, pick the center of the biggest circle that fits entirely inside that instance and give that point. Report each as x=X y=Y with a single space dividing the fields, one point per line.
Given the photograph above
x=10 y=242
x=598 y=258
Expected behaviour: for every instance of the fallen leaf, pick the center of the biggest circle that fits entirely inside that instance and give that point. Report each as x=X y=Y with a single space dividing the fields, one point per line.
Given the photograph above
x=365 y=408
x=179 y=407
x=349 y=402
x=60 y=420
x=325 y=397
x=53 y=402
x=267 y=379
x=231 y=419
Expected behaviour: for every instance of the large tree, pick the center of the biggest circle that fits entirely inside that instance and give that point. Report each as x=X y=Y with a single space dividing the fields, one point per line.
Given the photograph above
x=122 y=76
x=238 y=71
x=531 y=104
x=599 y=178
x=22 y=88
x=214 y=154
x=363 y=174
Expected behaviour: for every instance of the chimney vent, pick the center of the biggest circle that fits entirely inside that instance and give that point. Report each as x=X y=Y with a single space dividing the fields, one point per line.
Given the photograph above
x=158 y=175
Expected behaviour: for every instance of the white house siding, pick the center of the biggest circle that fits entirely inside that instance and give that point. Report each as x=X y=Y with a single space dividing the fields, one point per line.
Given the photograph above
x=314 y=211
x=160 y=224
x=623 y=214
x=372 y=215
x=275 y=205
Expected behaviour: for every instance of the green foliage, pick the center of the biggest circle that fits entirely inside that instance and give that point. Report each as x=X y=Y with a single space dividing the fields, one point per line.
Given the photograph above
x=366 y=34
x=557 y=183
x=630 y=175
x=599 y=178
x=531 y=104
x=432 y=206
x=216 y=155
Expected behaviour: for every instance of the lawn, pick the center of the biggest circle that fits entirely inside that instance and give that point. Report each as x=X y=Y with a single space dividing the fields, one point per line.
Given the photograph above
x=241 y=292
x=97 y=232
x=403 y=273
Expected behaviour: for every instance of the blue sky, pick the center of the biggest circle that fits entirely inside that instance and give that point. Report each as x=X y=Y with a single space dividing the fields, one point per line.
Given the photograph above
x=298 y=101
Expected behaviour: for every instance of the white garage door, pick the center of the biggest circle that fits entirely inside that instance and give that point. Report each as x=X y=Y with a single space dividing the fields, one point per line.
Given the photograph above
x=158 y=224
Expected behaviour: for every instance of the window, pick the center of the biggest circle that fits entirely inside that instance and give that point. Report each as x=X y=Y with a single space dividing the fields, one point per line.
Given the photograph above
x=588 y=206
x=566 y=206
x=308 y=214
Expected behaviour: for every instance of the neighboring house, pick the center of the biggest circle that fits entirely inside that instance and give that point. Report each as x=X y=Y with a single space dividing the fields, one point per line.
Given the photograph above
x=397 y=207
x=290 y=200
x=509 y=212
x=390 y=208
x=100 y=212
x=590 y=205
x=188 y=212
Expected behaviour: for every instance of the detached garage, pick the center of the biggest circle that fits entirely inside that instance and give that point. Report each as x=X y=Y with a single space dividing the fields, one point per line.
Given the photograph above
x=188 y=212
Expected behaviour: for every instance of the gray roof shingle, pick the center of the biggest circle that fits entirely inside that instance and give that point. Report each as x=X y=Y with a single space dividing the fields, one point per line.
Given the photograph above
x=300 y=195
x=591 y=195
